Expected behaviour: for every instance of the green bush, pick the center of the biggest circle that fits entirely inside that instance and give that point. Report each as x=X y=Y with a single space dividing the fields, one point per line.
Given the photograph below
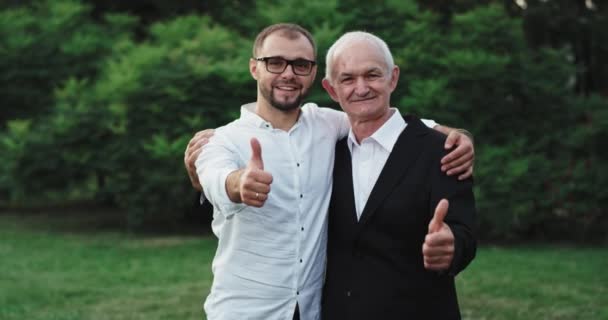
x=120 y=138
x=536 y=143
x=108 y=108
x=45 y=43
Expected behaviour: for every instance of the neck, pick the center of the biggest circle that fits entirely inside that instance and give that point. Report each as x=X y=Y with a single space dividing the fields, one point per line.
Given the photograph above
x=364 y=128
x=280 y=119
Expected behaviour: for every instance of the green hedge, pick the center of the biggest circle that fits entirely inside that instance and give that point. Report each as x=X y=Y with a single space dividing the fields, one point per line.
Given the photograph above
x=106 y=115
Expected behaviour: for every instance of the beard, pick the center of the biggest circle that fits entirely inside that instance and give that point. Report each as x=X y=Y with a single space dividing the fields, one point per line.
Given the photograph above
x=284 y=105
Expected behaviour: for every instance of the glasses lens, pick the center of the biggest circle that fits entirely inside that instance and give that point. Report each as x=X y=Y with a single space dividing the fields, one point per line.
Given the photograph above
x=276 y=65
x=301 y=67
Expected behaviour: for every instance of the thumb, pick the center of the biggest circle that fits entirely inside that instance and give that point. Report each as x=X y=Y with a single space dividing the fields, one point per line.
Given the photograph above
x=440 y=211
x=256 y=154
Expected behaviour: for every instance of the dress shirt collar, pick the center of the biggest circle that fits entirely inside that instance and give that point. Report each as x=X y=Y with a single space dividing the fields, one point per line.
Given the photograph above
x=249 y=115
x=386 y=136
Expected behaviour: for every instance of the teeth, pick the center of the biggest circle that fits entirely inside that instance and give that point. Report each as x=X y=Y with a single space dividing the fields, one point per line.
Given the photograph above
x=287 y=88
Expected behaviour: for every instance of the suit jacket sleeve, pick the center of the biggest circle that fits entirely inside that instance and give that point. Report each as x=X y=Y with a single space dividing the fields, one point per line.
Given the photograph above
x=461 y=213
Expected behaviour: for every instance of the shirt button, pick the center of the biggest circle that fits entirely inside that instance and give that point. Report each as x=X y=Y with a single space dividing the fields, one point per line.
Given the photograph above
x=301 y=196
x=300 y=260
x=302 y=228
x=298 y=164
x=297 y=292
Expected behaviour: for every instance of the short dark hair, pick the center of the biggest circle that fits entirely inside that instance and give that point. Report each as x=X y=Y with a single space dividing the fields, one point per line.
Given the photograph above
x=290 y=30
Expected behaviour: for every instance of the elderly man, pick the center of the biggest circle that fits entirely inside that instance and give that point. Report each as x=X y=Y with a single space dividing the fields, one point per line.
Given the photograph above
x=393 y=247
x=271 y=253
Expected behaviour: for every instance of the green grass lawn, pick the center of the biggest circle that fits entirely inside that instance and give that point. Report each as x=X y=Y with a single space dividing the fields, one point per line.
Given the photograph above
x=536 y=282
x=53 y=268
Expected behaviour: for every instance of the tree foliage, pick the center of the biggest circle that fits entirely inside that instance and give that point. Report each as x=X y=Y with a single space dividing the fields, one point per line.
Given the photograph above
x=100 y=104
x=45 y=43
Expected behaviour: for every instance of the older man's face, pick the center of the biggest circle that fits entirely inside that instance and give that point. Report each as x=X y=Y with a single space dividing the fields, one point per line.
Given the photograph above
x=286 y=90
x=362 y=82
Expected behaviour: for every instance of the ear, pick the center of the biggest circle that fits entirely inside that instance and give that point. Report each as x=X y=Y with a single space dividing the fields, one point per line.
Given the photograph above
x=330 y=90
x=253 y=68
x=394 y=78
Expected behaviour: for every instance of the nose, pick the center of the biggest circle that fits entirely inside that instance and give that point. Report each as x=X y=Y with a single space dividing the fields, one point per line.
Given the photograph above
x=361 y=87
x=288 y=72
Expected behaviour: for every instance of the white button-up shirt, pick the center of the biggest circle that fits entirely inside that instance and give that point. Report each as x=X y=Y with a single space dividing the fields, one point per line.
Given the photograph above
x=270 y=258
x=369 y=157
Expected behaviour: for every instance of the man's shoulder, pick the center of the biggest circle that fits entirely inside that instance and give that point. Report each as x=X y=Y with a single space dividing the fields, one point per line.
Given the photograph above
x=233 y=134
x=434 y=136
x=236 y=126
x=244 y=119
x=432 y=140
x=311 y=108
x=229 y=127
x=420 y=128
x=328 y=121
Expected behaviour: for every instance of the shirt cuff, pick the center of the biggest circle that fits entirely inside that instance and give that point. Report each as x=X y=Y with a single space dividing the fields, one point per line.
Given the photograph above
x=216 y=193
x=429 y=123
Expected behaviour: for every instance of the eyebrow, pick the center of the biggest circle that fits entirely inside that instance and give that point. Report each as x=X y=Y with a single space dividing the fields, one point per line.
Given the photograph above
x=350 y=74
x=283 y=57
x=374 y=69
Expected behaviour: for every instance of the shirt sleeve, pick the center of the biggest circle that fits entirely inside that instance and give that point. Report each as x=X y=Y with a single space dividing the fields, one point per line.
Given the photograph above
x=338 y=120
x=429 y=123
x=217 y=160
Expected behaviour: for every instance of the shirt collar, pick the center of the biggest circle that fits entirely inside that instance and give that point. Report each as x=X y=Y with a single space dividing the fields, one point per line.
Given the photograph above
x=249 y=116
x=386 y=136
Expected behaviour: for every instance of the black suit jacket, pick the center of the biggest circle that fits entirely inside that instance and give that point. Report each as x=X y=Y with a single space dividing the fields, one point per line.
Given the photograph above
x=375 y=268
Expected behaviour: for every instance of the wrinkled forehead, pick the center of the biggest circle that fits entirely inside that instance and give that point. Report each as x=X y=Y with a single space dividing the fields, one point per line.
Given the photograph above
x=287 y=45
x=358 y=57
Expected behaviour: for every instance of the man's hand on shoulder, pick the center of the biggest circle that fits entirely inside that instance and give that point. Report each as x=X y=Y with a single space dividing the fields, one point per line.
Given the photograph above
x=193 y=150
x=459 y=161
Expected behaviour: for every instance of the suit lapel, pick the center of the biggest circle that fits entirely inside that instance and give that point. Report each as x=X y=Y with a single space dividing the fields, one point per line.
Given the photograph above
x=405 y=152
x=343 y=179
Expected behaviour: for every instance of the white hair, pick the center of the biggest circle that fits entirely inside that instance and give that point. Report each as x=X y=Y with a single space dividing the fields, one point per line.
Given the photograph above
x=356 y=36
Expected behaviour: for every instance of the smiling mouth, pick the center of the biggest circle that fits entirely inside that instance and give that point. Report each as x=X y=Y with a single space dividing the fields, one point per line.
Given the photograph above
x=286 y=88
x=363 y=100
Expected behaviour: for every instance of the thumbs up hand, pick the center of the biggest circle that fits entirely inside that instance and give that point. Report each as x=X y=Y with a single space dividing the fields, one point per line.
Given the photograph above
x=254 y=182
x=438 y=246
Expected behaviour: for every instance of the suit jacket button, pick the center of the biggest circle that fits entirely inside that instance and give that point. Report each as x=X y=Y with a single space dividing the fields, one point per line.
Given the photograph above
x=348 y=293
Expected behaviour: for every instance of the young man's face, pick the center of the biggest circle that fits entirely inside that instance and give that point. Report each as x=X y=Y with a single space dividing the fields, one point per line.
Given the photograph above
x=284 y=90
x=361 y=81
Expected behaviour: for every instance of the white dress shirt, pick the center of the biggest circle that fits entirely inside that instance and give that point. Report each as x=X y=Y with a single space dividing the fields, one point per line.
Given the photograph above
x=270 y=258
x=369 y=157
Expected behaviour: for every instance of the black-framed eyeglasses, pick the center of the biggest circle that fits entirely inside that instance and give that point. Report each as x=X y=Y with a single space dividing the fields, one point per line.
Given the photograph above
x=301 y=67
